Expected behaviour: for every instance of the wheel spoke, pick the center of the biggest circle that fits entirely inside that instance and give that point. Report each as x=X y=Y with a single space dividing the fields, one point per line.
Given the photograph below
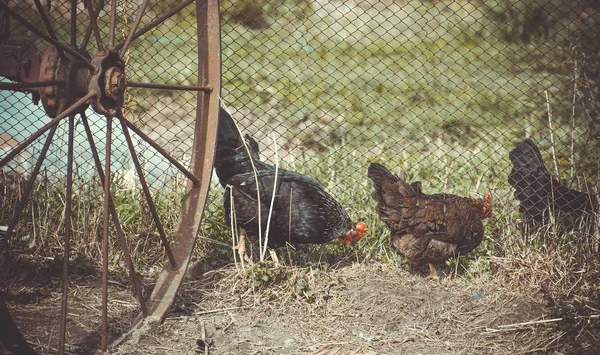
x=73 y=24
x=156 y=22
x=67 y=240
x=164 y=153
x=113 y=24
x=93 y=26
x=38 y=84
x=137 y=289
x=47 y=24
x=144 y=185
x=28 y=187
x=41 y=34
x=105 y=235
x=207 y=88
x=138 y=19
x=46 y=127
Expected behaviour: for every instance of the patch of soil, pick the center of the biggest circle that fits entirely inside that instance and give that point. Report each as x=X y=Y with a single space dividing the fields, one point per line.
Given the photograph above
x=358 y=308
x=32 y=288
x=374 y=308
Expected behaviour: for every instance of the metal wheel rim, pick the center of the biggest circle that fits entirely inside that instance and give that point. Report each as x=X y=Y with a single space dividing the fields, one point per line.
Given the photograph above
x=207 y=104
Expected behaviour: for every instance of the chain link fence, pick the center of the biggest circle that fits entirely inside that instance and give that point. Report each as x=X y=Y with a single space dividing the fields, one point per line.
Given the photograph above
x=167 y=54
x=443 y=90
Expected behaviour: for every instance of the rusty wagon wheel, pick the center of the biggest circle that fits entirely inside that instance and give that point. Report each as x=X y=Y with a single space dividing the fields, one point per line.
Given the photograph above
x=82 y=59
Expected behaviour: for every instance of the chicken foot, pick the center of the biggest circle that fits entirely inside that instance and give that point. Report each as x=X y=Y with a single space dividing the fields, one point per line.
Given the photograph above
x=433 y=273
x=241 y=248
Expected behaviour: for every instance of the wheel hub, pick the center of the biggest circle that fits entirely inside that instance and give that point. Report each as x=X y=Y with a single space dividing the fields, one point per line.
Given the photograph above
x=115 y=83
x=108 y=82
x=65 y=68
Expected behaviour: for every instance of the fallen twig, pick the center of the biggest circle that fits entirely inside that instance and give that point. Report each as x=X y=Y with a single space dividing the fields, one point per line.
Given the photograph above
x=203 y=334
x=219 y=310
x=515 y=326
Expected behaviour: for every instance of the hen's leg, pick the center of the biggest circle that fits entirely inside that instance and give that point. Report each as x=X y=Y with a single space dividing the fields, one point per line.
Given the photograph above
x=433 y=274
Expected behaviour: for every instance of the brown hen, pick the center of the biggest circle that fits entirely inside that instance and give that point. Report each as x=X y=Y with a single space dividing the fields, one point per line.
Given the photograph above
x=427 y=229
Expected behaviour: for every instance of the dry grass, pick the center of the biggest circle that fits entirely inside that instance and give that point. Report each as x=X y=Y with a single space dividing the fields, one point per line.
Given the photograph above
x=535 y=303
x=496 y=300
x=377 y=307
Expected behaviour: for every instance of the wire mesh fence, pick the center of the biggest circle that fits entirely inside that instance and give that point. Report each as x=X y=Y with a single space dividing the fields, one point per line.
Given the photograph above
x=166 y=54
x=442 y=90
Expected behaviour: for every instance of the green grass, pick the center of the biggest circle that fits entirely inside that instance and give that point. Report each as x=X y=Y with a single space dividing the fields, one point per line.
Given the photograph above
x=410 y=72
x=340 y=169
x=437 y=91
x=425 y=89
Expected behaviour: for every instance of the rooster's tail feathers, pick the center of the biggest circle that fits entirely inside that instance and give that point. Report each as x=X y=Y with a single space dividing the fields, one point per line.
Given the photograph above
x=252 y=146
x=228 y=133
x=231 y=157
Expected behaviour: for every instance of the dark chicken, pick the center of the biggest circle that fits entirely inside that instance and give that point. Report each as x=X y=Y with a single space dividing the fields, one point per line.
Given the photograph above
x=427 y=229
x=303 y=212
x=543 y=197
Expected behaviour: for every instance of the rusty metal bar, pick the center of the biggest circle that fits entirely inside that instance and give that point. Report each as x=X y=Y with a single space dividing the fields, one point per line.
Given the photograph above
x=67 y=240
x=88 y=31
x=134 y=28
x=113 y=24
x=105 y=234
x=93 y=26
x=206 y=88
x=46 y=127
x=49 y=39
x=137 y=288
x=39 y=84
x=146 y=191
x=73 y=33
x=157 y=22
x=29 y=186
x=164 y=153
x=47 y=24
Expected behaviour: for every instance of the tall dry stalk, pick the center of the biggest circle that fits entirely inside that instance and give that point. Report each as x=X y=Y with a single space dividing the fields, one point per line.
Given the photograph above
x=572 y=157
x=552 y=143
x=233 y=225
x=258 y=199
x=263 y=250
x=263 y=239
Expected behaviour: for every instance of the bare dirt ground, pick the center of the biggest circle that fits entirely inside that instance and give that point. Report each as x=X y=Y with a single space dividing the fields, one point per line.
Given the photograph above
x=349 y=308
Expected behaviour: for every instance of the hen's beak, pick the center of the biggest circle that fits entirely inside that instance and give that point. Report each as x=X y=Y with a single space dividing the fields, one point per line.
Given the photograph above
x=349 y=238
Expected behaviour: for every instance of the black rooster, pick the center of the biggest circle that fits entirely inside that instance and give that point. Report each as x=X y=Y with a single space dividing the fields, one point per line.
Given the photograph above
x=543 y=197
x=303 y=212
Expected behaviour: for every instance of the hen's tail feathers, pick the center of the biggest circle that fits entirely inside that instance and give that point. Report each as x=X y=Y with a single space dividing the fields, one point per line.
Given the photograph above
x=382 y=177
x=231 y=157
x=380 y=174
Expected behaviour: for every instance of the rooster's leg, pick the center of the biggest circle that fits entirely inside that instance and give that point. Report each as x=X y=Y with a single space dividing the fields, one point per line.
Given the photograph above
x=433 y=274
x=241 y=248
